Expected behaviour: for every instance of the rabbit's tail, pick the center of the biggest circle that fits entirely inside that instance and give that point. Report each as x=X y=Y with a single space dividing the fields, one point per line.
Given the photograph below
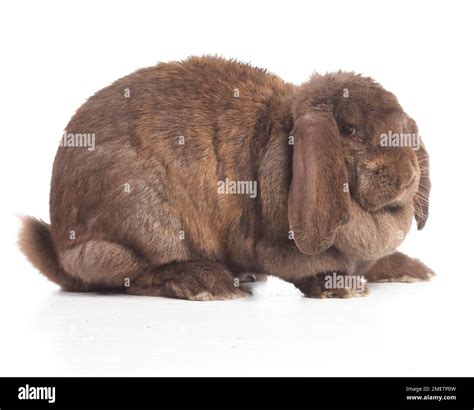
x=36 y=243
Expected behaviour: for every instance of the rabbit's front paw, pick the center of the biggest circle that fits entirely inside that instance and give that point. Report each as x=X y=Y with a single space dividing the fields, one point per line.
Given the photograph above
x=333 y=285
x=399 y=267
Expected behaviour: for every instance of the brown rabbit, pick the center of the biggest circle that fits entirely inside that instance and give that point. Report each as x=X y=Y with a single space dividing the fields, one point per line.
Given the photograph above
x=204 y=170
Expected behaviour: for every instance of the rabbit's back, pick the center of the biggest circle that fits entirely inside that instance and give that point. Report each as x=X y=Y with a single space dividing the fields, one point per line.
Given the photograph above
x=164 y=138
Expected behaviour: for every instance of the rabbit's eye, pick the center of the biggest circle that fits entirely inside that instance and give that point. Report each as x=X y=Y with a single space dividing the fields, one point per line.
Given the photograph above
x=348 y=130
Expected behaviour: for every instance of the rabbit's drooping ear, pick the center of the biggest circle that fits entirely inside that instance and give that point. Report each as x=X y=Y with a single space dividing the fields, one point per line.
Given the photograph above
x=422 y=196
x=318 y=199
x=421 y=199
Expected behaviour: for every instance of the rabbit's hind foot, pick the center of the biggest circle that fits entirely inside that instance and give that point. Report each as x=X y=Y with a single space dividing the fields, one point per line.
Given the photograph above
x=192 y=280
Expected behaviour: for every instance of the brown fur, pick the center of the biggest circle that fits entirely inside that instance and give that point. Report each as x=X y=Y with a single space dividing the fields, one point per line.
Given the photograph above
x=398 y=267
x=119 y=212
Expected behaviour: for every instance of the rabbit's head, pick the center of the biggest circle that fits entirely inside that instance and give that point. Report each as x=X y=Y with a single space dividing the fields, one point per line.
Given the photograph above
x=351 y=139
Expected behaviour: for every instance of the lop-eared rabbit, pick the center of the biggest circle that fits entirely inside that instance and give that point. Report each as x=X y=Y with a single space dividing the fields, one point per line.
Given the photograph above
x=207 y=170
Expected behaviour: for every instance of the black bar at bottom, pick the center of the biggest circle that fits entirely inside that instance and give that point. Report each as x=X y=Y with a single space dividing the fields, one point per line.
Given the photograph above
x=236 y=393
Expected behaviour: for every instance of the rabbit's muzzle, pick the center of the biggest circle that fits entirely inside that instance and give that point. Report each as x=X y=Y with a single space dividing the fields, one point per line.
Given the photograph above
x=386 y=180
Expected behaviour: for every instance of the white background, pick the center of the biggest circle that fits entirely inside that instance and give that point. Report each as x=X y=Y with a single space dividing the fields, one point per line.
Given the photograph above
x=56 y=54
